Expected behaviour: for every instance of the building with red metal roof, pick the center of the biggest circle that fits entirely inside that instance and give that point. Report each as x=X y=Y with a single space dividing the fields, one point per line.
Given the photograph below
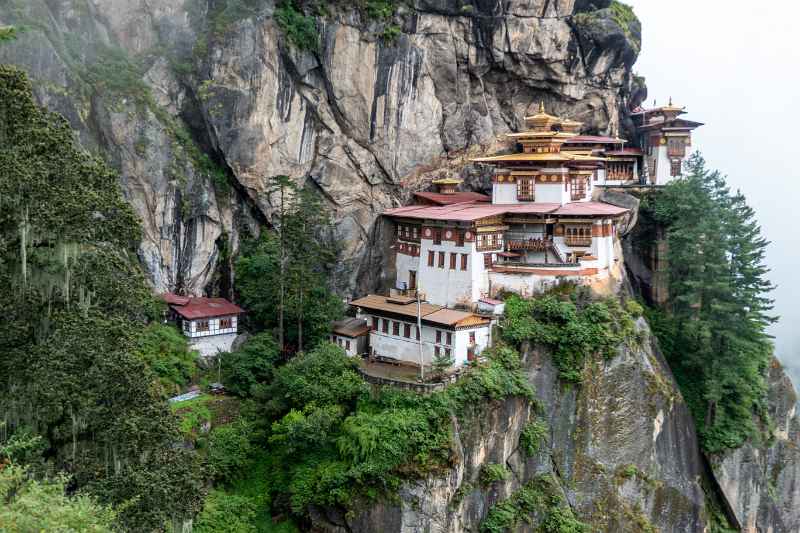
x=210 y=324
x=541 y=225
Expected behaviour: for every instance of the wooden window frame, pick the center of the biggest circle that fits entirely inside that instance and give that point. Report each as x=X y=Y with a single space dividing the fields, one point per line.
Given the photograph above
x=438 y=336
x=385 y=328
x=441 y=259
x=226 y=322
x=472 y=338
x=203 y=326
x=395 y=328
x=449 y=338
x=464 y=261
x=453 y=260
x=407 y=331
x=431 y=258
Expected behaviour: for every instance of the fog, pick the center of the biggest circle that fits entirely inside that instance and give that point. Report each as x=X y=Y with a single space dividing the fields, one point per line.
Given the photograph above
x=736 y=67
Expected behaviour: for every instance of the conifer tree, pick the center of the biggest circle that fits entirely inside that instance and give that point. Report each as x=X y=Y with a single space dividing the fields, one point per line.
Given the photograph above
x=718 y=306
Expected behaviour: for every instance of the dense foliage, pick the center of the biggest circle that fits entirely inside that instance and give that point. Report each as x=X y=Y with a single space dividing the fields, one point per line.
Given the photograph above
x=572 y=324
x=713 y=330
x=282 y=277
x=30 y=504
x=75 y=305
x=539 y=500
x=166 y=351
x=333 y=442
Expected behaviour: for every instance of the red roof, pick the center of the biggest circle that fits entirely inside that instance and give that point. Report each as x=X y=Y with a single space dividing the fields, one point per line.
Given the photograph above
x=491 y=301
x=453 y=198
x=206 y=308
x=465 y=211
x=625 y=151
x=594 y=139
x=590 y=208
x=174 y=299
x=468 y=212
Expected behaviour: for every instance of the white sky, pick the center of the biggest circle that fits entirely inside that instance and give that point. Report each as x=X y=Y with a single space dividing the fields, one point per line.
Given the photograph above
x=736 y=67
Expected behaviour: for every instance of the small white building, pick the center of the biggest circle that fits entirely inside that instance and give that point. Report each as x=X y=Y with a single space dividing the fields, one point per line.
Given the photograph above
x=210 y=324
x=395 y=335
x=352 y=335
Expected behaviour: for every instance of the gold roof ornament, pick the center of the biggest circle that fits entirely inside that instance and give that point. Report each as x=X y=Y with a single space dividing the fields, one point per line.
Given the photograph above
x=541 y=121
x=446 y=181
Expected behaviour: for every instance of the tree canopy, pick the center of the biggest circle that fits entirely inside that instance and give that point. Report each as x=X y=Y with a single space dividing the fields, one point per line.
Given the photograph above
x=75 y=307
x=714 y=328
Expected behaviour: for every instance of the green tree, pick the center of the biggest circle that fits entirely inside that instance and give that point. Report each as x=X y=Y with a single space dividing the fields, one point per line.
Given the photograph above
x=75 y=303
x=31 y=505
x=229 y=450
x=251 y=364
x=714 y=329
x=166 y=351
x=287 y=270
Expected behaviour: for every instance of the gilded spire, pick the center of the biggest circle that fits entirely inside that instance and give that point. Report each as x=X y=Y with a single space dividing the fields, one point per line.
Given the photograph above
x=670 y=101
x=541 y=106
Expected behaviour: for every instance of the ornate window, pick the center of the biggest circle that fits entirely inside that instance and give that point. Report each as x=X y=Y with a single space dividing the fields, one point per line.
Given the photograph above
x=430 y=258
x=441 y=259
x=453 y=261
x=578 y=186
x=202 y=325
x=525 y=188
x=464 y=261
x=225 y=323
x=675 y=167
x=578 y=236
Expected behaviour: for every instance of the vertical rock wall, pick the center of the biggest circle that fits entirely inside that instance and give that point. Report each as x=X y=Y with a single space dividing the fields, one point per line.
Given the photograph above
x=157 y=86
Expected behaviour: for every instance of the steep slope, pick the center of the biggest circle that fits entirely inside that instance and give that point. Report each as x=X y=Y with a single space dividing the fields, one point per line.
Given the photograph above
x=762 y=481
x=621 y=451
x=198 y=103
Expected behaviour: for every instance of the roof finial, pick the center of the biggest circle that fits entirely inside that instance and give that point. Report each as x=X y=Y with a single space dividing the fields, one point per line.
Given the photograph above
x=541 y=106
x=670 y=101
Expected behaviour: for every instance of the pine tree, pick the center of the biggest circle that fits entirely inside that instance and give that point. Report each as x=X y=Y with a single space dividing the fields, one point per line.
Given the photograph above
x=718 y=307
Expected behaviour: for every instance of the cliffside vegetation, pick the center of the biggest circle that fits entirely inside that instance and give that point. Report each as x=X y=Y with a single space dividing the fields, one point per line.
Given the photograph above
x=713 y=326
x=282 y=278
x=572 y=324
x=76 y=306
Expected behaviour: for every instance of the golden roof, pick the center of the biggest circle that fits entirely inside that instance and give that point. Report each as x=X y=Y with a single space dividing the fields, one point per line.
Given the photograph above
x=446 y=181
x=557 y=156
x=542 y=121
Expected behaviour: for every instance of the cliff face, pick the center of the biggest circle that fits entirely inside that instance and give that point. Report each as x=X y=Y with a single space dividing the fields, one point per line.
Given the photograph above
x=198 y=103
x=762 y=481
x=621 y=449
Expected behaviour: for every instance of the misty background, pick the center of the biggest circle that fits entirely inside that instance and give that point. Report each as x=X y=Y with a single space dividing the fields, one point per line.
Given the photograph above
x=736 y=67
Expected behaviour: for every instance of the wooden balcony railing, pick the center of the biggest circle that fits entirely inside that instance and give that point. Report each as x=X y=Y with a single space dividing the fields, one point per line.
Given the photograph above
x=536 y=245
x=578 y=241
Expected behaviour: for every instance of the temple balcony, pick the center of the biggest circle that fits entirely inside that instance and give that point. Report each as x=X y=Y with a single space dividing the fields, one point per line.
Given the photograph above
x=578 y=241
x=490 y=247
x=526 y=242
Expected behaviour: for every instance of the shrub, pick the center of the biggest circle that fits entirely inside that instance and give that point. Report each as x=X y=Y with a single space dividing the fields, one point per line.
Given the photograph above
x=492 y=472
x=167 y=353
x=31 y=505
x=251 y=364
x=226 y=512
x=574 y=328
x=532 y=437
x=229 y=450
x=300 y=29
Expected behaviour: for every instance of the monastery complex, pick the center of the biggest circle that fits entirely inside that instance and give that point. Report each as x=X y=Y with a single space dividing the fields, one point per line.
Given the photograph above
x=457 y=253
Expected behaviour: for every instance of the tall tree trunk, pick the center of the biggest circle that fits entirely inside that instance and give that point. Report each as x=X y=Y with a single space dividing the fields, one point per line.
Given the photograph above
x=283 y=272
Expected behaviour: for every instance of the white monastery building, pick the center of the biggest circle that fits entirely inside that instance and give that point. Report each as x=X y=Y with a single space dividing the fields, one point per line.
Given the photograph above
x=394 y=334
x=541 y=226
x=210 y=324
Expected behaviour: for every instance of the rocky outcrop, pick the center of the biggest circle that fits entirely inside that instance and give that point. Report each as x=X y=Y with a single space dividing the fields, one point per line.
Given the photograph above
x=621 y=448
x=198 y=103
x=762 y=481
